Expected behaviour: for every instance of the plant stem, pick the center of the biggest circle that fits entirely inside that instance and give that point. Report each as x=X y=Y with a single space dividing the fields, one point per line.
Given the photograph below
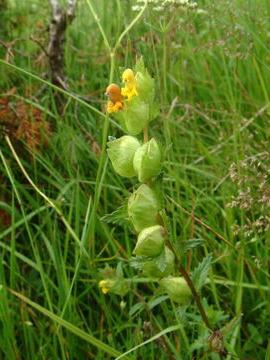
x=145 y=134
x=196 y=297
x=102 y=161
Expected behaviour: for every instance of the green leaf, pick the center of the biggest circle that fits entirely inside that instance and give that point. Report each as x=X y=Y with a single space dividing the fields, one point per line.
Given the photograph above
x=118 y=217
x=165 y=219
x=200 y=273
x=161 y=261
x=137 y=262
x=192 y=244
x=139 y=66
x=119 y=270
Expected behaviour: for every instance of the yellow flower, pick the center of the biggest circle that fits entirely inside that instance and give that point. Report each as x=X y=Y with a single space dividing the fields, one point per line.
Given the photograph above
x=114 y=107
x=115 y=102
x=130 y=88
x=105 y=286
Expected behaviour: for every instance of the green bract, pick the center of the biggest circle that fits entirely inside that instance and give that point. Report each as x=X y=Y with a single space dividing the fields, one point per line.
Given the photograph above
x=151 y=267
x=177 y=289
x=143 y=208
x=121 y=153
x=147 y=160
x=115 y=286
x=145 y=84
x=120 y=287
x=135 y=115
x=150 y=241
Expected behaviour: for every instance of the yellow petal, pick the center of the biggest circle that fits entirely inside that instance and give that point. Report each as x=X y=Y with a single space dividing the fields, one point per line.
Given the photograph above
x=105 y=290
x=111 y=107
x=128 y=75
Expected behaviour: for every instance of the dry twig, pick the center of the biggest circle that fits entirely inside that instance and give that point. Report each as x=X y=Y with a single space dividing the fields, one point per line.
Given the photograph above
x=61 y=18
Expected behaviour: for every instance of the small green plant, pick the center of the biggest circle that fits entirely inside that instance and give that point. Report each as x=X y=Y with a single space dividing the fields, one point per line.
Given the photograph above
x=135 y=108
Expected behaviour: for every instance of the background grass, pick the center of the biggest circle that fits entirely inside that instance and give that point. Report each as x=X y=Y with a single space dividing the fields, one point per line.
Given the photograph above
x=212 y=75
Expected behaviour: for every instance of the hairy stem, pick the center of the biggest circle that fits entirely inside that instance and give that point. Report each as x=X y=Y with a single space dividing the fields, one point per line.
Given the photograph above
x=145 y=134
x=196 y=297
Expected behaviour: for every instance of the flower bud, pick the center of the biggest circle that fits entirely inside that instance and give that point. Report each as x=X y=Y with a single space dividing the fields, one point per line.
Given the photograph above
x=143 y=208
x=150 y=241
x=147 y=160
x=106 y=285
x=136 y=115
x=152 y=269
x=121 y=153
x=177 y=289
x=115 y=286
x=123 y=304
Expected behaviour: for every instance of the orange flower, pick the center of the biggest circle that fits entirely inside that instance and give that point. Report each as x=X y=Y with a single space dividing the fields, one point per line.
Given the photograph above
x=115 y=102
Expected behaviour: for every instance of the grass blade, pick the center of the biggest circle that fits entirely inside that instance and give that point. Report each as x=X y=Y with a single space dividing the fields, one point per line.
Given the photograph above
x=153 y=338
x=70 y=327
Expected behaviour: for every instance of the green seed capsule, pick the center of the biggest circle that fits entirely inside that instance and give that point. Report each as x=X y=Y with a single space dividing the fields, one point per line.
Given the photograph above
x=150 y=241
x=152 y=269
x=177 y=289
x=143 y=208
x=121 y=153
x=147 y=160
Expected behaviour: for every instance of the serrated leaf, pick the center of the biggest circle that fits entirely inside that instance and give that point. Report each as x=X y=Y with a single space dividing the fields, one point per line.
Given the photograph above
x=137 y=262
x=118 y=217
x=200 y=273
x=161 y=261
x=165 y=219
x=139 y=66
x=119 y=270
x=192 y=244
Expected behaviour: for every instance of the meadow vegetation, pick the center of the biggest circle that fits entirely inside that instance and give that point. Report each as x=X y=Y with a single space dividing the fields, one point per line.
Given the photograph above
x=61 y=200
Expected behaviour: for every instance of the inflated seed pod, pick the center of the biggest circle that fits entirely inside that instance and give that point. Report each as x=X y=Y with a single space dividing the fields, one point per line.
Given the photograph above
x=121 y=153
x=147 y=160
x=143 y=208
x=151 y=268
x=177 y=289
x=150 y=241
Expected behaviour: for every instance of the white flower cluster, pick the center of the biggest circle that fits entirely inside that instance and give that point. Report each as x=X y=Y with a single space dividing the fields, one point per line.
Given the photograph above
x=160 y=5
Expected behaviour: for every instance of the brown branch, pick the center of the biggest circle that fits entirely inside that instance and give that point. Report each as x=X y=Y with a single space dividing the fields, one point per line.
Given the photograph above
x=216 y=338
x=71 y=6
x=196 y=296
x=145 y=134
x=61 y=18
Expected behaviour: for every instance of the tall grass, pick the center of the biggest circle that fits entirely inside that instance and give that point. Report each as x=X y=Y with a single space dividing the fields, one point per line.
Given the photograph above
x=212 y=75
